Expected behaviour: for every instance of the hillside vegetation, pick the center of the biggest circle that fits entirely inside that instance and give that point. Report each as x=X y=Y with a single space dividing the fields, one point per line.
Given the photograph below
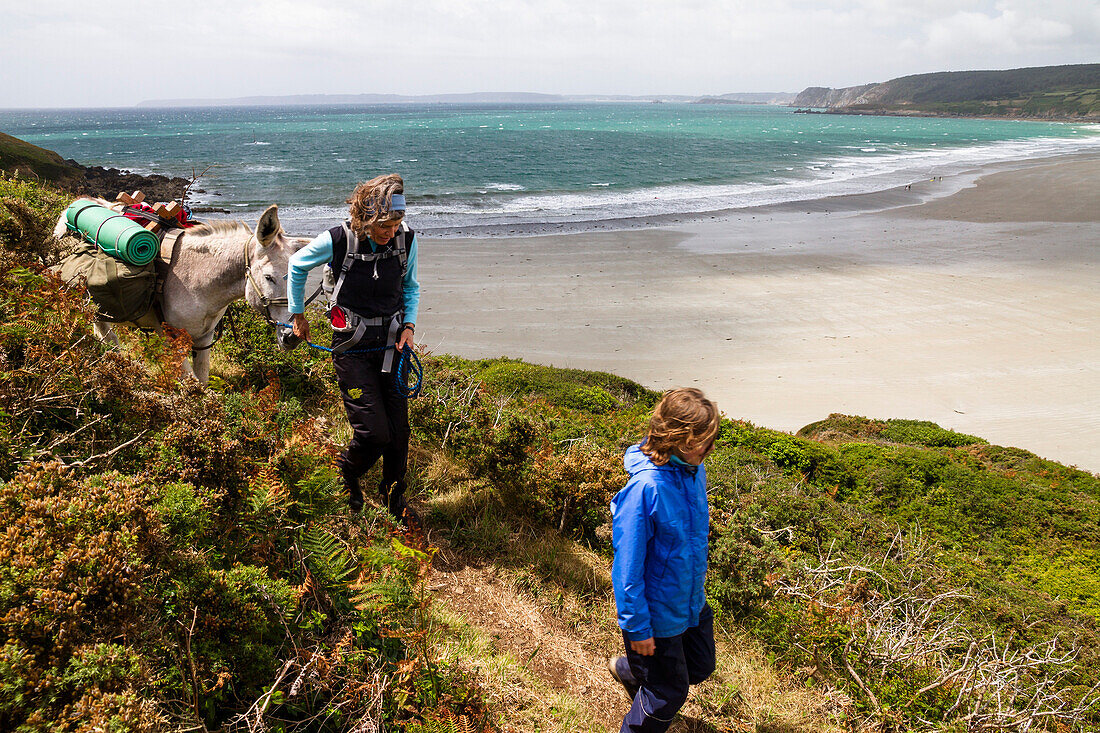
x=1051 y=92
x=179 y=558
x=21 y=158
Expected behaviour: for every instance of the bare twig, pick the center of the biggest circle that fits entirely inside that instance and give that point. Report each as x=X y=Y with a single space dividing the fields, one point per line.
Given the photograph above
x=108 y=454
x=191 y=666
x=69 y=436
x=194 y=179
x=852 y=673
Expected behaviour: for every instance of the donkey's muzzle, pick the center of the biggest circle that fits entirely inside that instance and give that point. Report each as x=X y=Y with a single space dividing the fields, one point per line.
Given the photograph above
x=286 y=339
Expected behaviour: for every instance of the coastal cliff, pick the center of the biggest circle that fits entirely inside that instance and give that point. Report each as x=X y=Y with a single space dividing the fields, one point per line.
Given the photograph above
x=824 y=97
x=1048 y=92
x=19 y=157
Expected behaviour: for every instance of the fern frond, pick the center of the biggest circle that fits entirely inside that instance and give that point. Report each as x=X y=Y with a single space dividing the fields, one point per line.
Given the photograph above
x=334 y=569
x=268 y=494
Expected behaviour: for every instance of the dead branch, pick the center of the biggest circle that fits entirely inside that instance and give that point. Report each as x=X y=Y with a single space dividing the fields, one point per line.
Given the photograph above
x=194 y=179
x=191 y=666
x=859 y=682
x=69 y=436
x=108 y=454
x=908 y=623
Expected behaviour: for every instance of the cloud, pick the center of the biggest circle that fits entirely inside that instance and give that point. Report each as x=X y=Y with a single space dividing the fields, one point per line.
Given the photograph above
x=1029 y=31
x=212 y=48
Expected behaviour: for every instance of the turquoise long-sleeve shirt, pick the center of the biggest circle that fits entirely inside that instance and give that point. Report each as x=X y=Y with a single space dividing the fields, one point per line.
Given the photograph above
x=319 y=252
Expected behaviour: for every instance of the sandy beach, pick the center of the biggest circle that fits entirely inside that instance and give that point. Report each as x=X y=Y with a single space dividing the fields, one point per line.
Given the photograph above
x=978 y=310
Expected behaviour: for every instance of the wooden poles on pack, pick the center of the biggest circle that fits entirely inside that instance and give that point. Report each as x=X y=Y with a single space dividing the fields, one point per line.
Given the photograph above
x=167 y=211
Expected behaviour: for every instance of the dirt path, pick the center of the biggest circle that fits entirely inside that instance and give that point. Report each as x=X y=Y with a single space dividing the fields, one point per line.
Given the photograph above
x=563 y=657
x=565 y=654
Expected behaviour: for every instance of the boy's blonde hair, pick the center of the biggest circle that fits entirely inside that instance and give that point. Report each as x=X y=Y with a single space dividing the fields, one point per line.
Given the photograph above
x=370 y=203
x=683 y=420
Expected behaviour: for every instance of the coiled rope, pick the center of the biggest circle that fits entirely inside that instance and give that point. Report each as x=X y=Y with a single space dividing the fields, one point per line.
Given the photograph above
x=407 y=364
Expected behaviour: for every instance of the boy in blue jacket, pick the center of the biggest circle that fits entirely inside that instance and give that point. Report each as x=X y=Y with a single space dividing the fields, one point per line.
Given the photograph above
x=660 y=523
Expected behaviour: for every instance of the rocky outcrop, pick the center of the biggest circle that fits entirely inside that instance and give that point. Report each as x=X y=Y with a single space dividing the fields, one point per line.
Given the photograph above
x=18 y=157
x=107 y=182
x=826 y=98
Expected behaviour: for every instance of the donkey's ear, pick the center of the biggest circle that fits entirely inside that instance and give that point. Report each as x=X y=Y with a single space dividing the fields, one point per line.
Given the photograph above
x=269 y=226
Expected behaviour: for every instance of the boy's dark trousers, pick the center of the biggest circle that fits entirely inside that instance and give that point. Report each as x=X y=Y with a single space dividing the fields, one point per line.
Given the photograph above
x=379 y=416
x=678 y=661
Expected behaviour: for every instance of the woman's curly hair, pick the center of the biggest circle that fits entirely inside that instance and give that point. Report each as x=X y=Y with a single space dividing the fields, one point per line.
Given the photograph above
x=683 y=420
x=370 y=203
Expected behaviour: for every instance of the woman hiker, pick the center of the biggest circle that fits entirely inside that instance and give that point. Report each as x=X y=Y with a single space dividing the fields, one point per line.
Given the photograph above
x=659 y=527
x=370 y=276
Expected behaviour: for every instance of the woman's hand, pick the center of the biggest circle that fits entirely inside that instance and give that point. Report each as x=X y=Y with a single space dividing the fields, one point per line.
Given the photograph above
x=405 y=338
x=300 y=326
x=645 y=647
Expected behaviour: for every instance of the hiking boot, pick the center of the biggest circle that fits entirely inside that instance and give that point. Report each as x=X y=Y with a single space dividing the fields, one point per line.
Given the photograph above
x=393 y=495
x=355 y=494
x=620 y=670
x=404 y=513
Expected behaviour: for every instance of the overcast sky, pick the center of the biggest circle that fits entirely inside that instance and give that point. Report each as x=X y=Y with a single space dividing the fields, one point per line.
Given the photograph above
x=72 y=53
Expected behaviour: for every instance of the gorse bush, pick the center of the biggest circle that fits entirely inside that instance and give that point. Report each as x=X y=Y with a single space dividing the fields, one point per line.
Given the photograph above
x=28 y=211
x=456 y=413
x=571 y=490
x=744 y=564
x=247 y=358
x=60 y=389
x=75 y=569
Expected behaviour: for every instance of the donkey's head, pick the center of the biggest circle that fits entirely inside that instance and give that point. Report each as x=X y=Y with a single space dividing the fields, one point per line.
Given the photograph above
x=265 y=283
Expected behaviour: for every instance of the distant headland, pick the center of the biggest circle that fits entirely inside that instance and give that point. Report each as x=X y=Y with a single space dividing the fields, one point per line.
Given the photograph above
x=1069 y=93
x=779 y=98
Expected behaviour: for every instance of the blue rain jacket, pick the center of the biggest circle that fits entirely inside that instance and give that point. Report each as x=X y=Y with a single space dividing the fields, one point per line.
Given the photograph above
x=660 y=521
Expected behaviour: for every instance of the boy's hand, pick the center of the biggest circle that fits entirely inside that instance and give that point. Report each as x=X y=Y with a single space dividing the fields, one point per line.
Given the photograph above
x=645 y=647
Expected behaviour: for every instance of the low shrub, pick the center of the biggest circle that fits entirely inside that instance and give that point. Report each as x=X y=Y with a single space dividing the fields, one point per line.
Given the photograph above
x=572 y=490
x=923 y=432
x=744 y=564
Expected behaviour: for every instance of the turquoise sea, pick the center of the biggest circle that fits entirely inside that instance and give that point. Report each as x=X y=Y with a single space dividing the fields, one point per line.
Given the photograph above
x=510 y=169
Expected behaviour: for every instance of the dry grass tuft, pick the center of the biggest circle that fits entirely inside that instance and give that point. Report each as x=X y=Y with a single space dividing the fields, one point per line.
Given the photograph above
x=753 y=695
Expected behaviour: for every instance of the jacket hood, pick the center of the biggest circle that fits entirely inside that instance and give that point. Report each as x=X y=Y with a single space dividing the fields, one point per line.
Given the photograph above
x=634 y=461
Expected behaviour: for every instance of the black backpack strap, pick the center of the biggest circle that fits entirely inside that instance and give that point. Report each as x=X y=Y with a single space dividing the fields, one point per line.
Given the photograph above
x=404 y=239
x=351 y=254
x=351 y=248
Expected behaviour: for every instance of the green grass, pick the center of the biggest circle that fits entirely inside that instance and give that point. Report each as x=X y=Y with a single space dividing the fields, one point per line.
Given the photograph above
x=34 y=162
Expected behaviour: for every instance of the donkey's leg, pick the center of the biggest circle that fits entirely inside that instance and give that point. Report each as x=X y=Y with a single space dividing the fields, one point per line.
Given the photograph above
x=200 y=360
x=105 y=332
x=187 y=369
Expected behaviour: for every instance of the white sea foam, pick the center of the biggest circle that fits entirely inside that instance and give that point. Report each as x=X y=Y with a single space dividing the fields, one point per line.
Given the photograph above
x=504 y=187
x=265 y=168
x=856 y=170
x=841 y=175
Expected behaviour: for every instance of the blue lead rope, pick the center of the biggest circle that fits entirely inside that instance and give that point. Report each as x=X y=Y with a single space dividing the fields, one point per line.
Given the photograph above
x=409 y=363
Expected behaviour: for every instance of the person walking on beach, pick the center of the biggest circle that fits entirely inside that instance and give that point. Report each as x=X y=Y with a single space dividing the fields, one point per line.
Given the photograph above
x=374 y=296
x=660 y=522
